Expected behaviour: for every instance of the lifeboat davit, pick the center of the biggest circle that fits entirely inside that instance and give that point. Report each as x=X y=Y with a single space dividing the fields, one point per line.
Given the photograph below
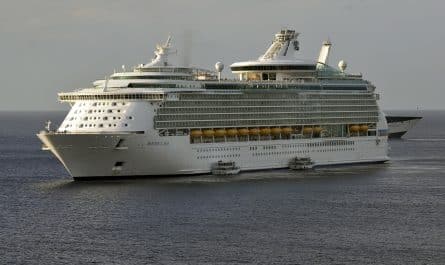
x=354 y=128
x=220 y=132
x=286 y=130
x=209 y=133
x=265 y=131
x=232 y=132
x=307 y=130
x=276 y=131
x=196 y=133
x=254 y=131
x=364 y=128
x=243 y=132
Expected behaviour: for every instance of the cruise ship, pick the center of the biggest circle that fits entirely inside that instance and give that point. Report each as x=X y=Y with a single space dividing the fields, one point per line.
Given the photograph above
x=161 y=119
x=399 y=125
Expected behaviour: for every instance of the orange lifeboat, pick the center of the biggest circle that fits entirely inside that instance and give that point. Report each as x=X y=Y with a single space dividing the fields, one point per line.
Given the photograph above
x=220 y=132
x=196 y=133
x=243 y=132
x=276 y=131
x=264 y=131
x=317 y=130
x=364 y=128
x=254 y=131
x=307 y=130
x=354 y=128
x=286 y=130
x=209 y=133
x=232 y=132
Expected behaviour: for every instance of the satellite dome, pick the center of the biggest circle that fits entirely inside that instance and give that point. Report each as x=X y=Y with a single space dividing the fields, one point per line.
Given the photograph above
x=219 y=66
x=342 y=65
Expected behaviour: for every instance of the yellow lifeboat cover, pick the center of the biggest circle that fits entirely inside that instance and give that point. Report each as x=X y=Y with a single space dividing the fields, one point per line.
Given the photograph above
x=254 y=131
x=286 y=130
x=364 y=128
x=354 y=128
x=232 y=132
x=307 y=130
x=318 y=129
x=196 y=133
x=209 y=133
x=220 y=132
x=276 y=131
x=243 y=132
x=265 y=131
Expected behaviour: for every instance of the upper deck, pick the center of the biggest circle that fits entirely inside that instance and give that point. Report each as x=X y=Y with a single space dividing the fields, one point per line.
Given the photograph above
x=277 y=69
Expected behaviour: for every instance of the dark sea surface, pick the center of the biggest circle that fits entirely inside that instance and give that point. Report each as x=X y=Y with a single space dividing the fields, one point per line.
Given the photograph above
x=391 y=213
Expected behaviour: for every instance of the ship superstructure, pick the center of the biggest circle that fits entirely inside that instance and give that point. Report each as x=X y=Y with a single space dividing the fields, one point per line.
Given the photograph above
x=161 y=119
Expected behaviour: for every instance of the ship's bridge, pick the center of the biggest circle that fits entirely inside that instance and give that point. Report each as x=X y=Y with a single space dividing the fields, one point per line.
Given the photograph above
x=158 y=72
x=280 y=70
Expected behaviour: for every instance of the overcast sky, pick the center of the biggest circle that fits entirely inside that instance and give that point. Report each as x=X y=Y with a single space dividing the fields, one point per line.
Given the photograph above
x=49 y=46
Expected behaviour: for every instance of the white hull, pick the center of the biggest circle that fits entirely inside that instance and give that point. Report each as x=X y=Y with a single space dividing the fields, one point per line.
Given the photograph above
x=95 y=155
